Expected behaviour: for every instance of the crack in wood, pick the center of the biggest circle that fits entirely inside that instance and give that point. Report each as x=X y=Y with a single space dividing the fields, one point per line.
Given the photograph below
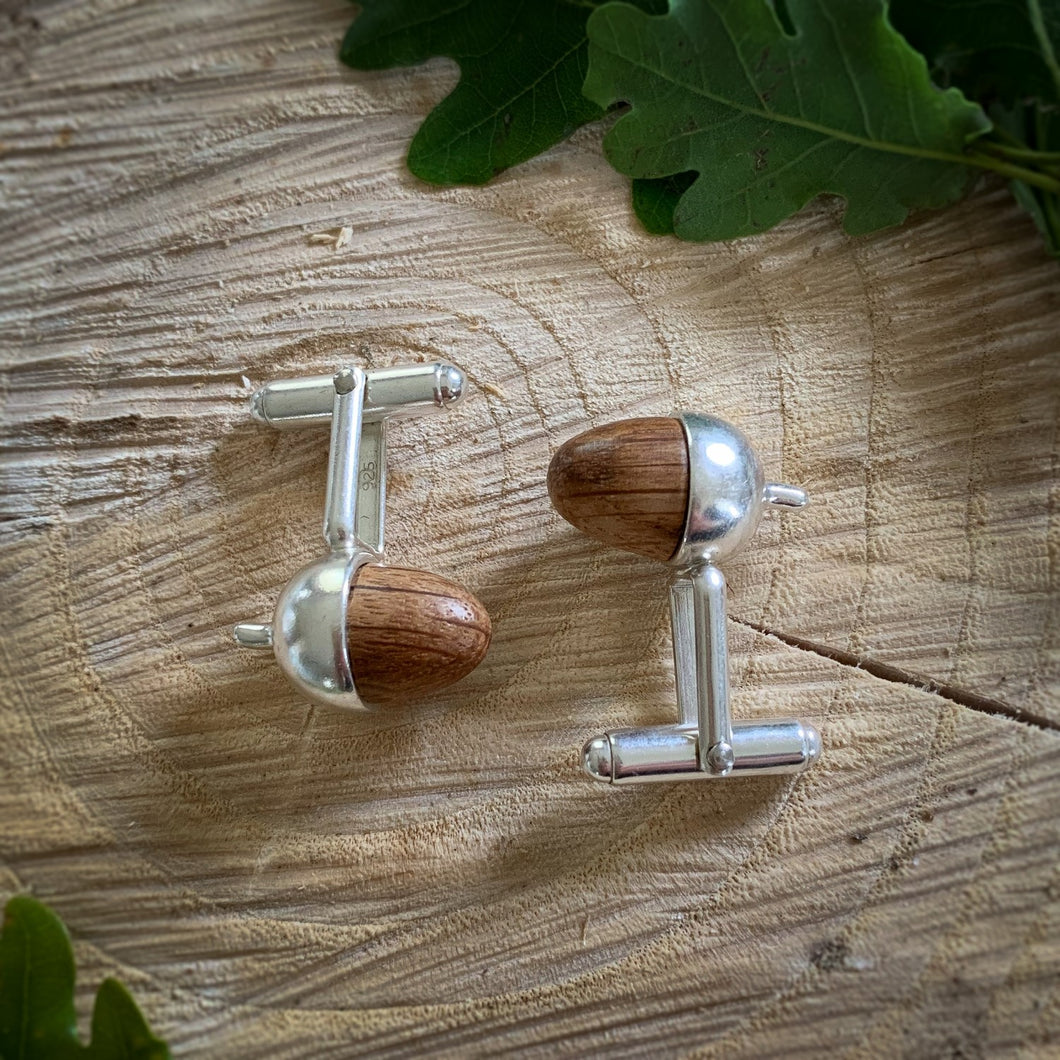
x=896 y=675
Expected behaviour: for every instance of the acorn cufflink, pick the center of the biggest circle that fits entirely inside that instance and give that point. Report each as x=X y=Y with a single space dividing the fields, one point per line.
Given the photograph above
x=349 y=631
x=689 y=492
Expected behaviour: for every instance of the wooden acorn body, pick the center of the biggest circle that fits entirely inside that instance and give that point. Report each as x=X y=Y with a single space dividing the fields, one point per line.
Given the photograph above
x=625 y=484
x=411 y=632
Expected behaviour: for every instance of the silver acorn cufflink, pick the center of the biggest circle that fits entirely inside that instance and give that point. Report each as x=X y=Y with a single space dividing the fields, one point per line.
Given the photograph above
x=349 y=631
x=687 y=491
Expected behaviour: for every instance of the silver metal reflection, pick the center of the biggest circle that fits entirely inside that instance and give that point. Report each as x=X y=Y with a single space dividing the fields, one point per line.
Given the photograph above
x=726 y=494
x=401 y=391
x=671 y=752
x=309 y=627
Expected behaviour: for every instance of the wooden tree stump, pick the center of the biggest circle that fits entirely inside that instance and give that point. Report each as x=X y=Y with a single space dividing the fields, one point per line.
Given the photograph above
x=274 y=880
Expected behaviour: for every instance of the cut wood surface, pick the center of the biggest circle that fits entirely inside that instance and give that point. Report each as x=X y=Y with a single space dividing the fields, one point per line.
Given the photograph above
x=271 y=879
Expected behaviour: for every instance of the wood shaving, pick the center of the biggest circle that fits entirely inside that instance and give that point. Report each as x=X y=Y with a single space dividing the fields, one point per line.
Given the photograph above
x=338 y=237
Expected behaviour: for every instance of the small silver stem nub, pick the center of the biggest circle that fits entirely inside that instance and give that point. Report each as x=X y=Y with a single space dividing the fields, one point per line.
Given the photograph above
x=253 y=635
x=785 y=496
x=340 y=507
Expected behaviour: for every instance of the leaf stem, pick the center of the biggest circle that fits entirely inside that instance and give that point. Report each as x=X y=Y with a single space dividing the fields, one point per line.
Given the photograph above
x=1034 y=10
x=1033 y=177
x=1018 y=154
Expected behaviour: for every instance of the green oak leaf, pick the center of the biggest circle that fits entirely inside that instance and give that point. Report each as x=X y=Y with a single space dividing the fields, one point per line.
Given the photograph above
x=37 y=1020
x=654 y=201
x=119 y=1029
x=522 y=64
x=36 y=984
x=769 y=120
x=1004 y=55
x=1003 y=50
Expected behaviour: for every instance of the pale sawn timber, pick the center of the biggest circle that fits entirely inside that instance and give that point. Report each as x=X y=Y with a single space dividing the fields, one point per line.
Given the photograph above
x=196 y=199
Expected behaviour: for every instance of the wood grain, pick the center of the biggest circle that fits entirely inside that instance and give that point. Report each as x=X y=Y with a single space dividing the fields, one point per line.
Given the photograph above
x=412 y=633
x=625 y=484
x=275 y=880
